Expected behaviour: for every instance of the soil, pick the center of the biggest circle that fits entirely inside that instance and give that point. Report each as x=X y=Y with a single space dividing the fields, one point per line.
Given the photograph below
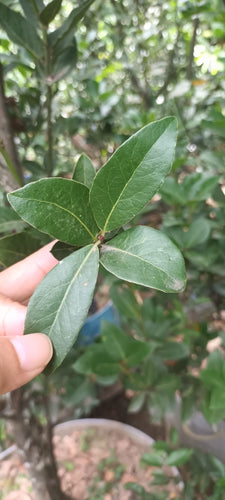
x=93 y=464
x=116 y=408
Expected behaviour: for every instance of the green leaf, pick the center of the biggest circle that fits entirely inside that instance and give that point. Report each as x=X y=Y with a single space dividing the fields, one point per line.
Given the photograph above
x=171 y=192
x=125 y=301
x=137 y=488
x=214 y=375
x=217 y=400
x=147 y=257
x=155 y=459
x=212 y=416
x=20 y=31
x=136 y=352
x=64 y=62
x=97 y=361
x=174 y=436
x=70 y=23
x=136 y=403
x=127 y=182
x=195 y=187
x=15 y=247
x=177 y=235
x=29 y=11
x=50 y=11
x=77 y=393
x=115 y=340
x=61 y=301
x=206 y=258
x=104 y=366
x=199 y=186
x=179 y=457
x=198 y=232
x=84 y=171
x=9 y=220
x=160 y=478
x=173 y=351
x=59 y=207
x=83 y=364
x=61 y=250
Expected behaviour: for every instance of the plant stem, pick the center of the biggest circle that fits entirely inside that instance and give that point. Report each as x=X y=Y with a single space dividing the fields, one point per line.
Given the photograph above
x=10 y=165
x=50 y=165
x=34 y=442
x=35 y=6
x=49 y=97
x=189 y=72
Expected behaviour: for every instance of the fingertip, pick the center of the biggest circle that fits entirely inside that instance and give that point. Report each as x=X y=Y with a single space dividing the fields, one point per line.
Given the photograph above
x=34 y=351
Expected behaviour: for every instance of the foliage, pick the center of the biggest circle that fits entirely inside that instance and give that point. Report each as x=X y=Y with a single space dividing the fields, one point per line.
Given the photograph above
x=88 y=86
x=66 y=210
x=205 y=473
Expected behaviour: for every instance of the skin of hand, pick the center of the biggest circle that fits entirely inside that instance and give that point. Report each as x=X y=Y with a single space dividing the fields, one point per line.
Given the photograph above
x=22 y=357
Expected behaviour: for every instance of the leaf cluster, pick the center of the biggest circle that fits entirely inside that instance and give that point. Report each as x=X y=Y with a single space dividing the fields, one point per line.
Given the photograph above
x=82 y=212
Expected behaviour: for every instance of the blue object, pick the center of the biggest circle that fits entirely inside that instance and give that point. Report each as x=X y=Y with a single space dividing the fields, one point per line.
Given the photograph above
x=92 y=326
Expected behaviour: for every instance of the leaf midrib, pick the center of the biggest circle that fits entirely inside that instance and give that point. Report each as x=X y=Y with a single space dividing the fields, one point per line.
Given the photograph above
x=127 y=183
x=70 y=285
x=65 y=210
x=136 y=257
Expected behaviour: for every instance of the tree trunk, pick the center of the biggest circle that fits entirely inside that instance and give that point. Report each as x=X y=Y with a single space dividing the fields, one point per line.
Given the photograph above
x=6 y=139
x=34 y=442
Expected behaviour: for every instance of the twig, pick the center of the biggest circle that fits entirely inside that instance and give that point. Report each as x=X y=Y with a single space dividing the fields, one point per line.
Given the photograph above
x=189 y=72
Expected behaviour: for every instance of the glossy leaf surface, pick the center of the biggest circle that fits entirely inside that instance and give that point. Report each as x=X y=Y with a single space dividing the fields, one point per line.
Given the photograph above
x=147 y=257
x=84 y=171
x=20 y=31
x=60 y=303
x=59 y=207
x=127 y=182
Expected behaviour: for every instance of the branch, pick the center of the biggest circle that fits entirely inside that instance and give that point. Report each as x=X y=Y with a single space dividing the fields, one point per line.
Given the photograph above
x=189 y=72
x=143 y=92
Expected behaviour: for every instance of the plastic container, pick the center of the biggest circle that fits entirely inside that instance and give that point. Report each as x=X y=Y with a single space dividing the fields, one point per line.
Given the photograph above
x=92 y=326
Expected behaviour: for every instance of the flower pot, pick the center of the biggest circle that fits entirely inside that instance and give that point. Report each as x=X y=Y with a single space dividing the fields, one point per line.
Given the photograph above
x=124 y=443
x=196 y=432
x=92 y=326
x=93 y=454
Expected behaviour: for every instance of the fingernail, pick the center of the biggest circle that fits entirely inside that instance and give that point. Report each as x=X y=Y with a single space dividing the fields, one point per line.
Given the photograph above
x=34 y=351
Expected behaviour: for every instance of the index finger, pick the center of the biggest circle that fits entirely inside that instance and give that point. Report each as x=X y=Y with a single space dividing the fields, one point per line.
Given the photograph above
x=19 y=281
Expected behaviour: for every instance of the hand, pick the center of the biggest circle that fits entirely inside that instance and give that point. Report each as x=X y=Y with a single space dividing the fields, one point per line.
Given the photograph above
x=22 y=357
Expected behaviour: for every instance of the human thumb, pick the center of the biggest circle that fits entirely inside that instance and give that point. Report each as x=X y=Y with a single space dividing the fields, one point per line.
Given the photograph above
x=22 y=358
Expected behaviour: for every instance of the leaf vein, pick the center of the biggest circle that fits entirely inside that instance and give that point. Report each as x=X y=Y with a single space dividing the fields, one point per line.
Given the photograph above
x=66 y=210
